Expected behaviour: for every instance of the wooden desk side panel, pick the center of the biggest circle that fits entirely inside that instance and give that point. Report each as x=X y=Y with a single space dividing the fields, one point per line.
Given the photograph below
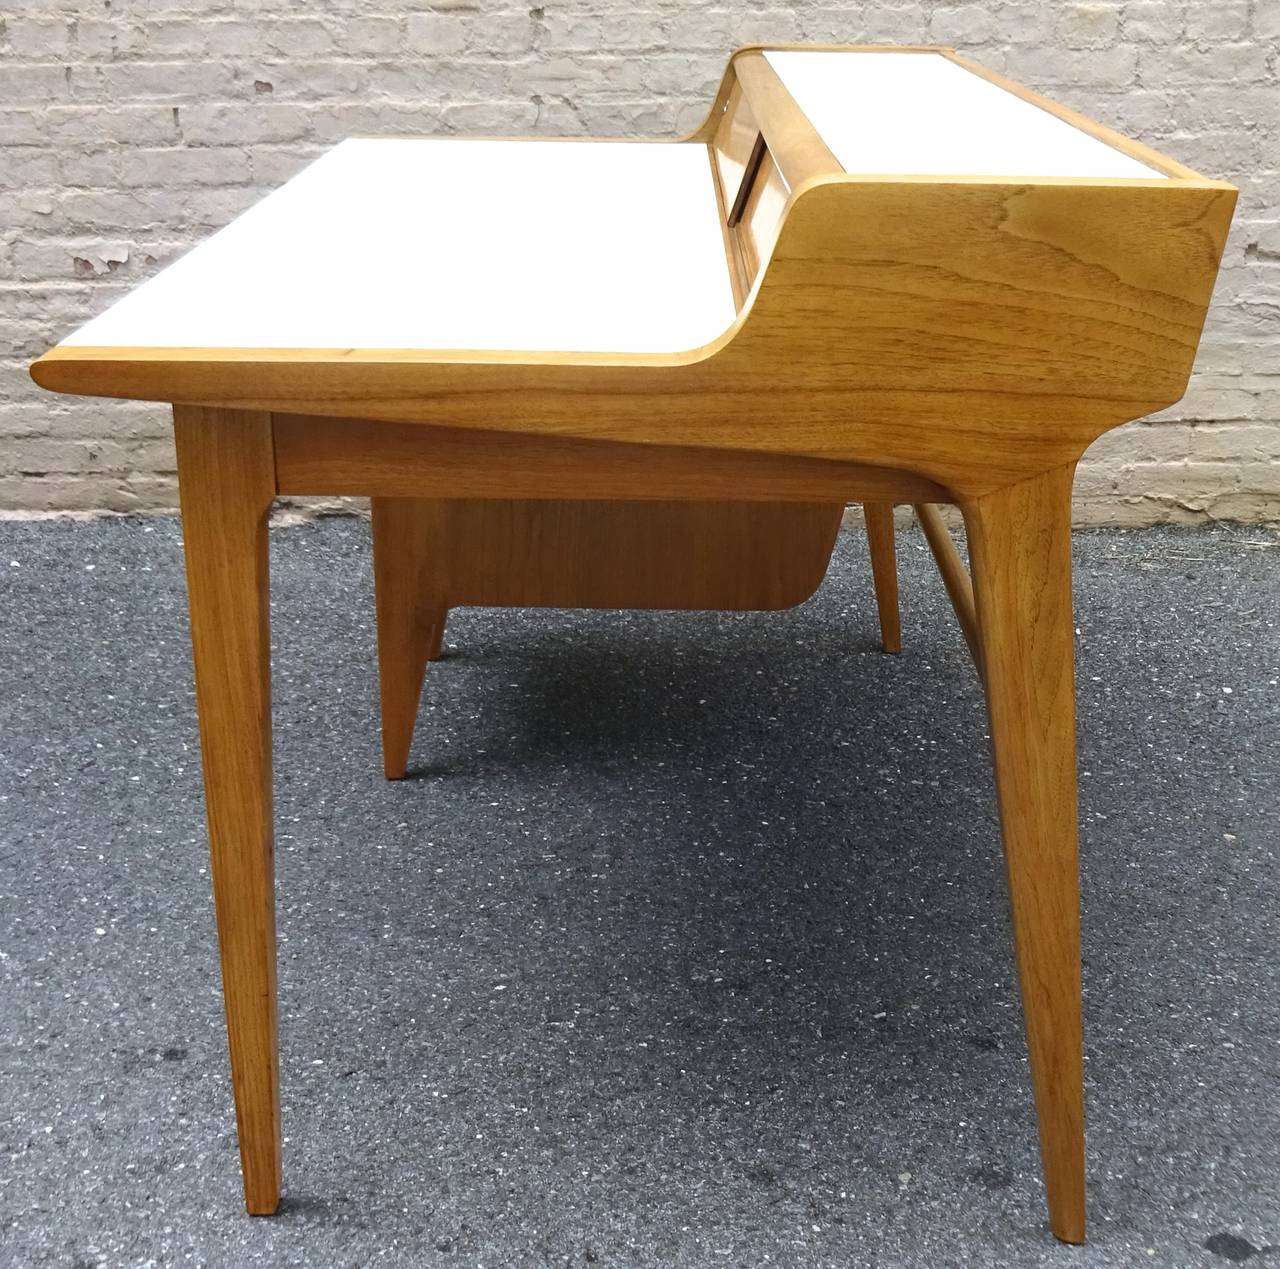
x=542 y=553
x=323 y=455
x=979 y=333
x=975 y=333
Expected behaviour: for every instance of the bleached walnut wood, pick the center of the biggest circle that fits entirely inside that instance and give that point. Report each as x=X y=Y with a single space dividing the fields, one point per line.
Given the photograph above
x=549 y=553
x=599 y=346
x=796 y=145
x=955 y=577
x=433 y=554
x=884 y=571
x=317 y=455
x=412 y=609
x=1020 y=550
x=227 y=484
x=1011 y=323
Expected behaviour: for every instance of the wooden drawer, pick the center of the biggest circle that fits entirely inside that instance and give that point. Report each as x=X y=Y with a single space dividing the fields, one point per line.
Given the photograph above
x=753 y=191
x=734 y=140
x=762 y=148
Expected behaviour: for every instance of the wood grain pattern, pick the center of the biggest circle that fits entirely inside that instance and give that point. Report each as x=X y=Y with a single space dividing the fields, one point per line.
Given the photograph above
x=955 y=577
x=226 y=480
x=915 y=339
x=433 y=554
x=800 y=153
x=884 y=571
x=320 y=455
x=594 y=554
x=1020 y=548
x=411 y=612
x=762 y=211
x=1011 y=324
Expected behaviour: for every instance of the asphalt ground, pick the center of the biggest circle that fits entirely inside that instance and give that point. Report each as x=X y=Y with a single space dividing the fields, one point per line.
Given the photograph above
x=686 y=944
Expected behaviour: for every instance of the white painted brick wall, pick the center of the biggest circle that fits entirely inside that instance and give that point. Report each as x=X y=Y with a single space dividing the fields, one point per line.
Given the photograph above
x=130 y=130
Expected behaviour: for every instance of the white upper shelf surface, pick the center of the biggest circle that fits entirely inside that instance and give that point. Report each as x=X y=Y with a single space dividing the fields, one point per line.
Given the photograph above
x=901 y=113
x=567 y=246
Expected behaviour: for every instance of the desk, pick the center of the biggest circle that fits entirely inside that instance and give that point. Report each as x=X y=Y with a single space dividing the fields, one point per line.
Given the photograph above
x=652 y=374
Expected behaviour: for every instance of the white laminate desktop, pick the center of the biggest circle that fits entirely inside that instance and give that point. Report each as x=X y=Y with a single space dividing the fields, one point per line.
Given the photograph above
x=566 y=246
x=918 y=113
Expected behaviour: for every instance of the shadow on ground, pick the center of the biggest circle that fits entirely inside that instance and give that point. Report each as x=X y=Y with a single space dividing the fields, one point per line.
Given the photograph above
x=685 y=945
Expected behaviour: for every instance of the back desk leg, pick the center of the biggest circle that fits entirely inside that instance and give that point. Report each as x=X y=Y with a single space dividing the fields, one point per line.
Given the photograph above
x=411 y=618
x=1020 y=547
x=884 y=571
x=227 y=480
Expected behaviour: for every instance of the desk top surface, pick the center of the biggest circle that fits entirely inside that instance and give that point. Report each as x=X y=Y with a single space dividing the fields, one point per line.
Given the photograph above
x=586 y=246
x=561 y=246
x=903 y=113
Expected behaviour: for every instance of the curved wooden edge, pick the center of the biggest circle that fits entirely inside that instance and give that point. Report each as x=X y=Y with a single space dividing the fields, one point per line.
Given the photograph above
x=794 y=143
x=706 y=129
x=973 y=333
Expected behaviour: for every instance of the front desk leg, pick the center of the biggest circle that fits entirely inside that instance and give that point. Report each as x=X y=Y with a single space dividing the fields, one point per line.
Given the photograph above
x=1020 y=547
x=227 y=479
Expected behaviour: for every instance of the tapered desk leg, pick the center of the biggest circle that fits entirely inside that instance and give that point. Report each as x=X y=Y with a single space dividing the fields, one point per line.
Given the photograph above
x=227 y=479
x=884 y=571
x=411 y=620
x=1020 y=548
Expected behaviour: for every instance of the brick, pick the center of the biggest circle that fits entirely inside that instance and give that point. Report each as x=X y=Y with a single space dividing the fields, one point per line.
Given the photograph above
x=1068 y=68
x=33 y=85
x=41 y=40
x=1217 y=64
x=1088 y=25
x=1152 y=21
x=27 y=165
x=1266 y=21
x=97 y=38
x=302 y=37
x=88 y=167
x=1236 y=442
x=437 y=32
x=150 y=124
x=182 y=167
x=1202 y=402
x=251 y=123
x=383 y=36
x=1221 y=20
x=126 y=136
x=963 y=25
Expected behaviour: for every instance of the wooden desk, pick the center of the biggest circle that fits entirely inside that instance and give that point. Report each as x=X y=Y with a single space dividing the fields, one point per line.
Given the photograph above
x=652 y=374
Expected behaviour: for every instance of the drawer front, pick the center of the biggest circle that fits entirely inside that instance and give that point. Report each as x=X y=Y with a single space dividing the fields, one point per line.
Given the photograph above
x=734 y=139
x=753 y=191
x=762 y=210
